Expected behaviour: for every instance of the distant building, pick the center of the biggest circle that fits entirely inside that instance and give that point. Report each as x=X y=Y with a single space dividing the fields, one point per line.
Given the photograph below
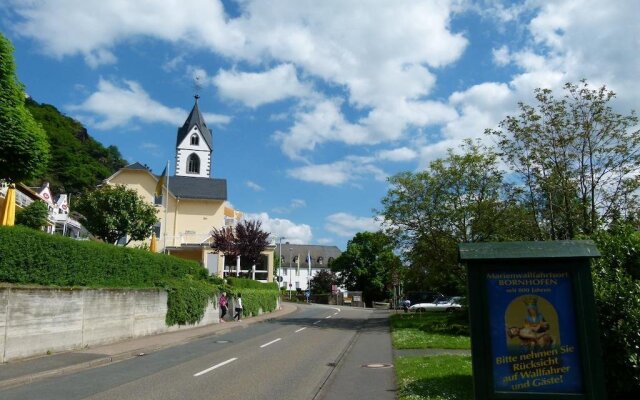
x=296 y=271
x=58 y=221
x=195 y=203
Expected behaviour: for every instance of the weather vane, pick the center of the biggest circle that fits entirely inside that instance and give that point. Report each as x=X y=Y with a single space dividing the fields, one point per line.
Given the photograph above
x=197 y=86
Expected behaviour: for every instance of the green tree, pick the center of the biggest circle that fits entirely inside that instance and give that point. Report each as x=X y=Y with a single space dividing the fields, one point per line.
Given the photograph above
x=34 y=215
x=367 y=265
x=115 y=212
x=577 y=159
x=78 y=162
x=24 y=150
x=322 y=281
x=461 y=198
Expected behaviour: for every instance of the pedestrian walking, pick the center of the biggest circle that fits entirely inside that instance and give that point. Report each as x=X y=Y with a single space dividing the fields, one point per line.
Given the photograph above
x=223 y=306
x=238 y=307
x=406 y=304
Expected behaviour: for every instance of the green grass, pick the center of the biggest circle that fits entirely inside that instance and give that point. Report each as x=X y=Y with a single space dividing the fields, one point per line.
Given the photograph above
x=417 y=339
x=434 y=378
x=435 y=331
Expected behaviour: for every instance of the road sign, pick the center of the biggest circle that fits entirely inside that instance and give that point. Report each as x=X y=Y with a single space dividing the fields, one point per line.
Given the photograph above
x=290 y=285
x=279 y=279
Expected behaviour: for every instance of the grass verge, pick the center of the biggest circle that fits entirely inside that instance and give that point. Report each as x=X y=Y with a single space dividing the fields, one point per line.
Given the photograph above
x=442 y=377
x=436 y=331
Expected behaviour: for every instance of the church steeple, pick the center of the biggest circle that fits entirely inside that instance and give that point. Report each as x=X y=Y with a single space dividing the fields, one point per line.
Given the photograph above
x=194 y=145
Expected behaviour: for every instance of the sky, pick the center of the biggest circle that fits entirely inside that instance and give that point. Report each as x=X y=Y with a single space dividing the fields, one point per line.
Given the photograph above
x=313 y=104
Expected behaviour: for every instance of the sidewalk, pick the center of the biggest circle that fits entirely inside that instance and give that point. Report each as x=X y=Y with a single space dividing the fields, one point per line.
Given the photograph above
x=22 y=372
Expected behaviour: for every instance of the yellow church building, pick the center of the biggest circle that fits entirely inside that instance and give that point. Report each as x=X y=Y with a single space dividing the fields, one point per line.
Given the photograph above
x=192 y=204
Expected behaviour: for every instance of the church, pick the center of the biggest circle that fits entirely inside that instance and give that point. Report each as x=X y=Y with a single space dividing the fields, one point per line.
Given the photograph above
x=192 y=203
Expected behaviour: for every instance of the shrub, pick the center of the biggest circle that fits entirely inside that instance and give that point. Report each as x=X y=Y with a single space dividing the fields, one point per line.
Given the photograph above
x=618 y=308
x=34 y=215
x=254 y=300
x=244 y=283
x=32 y=257
x=187 y=300
x=255 y=295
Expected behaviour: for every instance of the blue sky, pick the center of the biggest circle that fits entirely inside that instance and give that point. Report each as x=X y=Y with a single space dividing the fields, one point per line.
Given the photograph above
x=313 y=104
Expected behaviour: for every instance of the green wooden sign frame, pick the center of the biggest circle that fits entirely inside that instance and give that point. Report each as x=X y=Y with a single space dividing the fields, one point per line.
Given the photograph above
x=512 y=356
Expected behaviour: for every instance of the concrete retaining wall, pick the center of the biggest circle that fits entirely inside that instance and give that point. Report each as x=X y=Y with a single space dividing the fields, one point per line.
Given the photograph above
x=36 y=321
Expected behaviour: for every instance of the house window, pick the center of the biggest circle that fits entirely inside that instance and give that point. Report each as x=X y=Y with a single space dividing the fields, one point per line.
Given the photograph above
x=320 y=260
x=195 y=140
x=156 y=229
x=193 y=164
x=157 y=200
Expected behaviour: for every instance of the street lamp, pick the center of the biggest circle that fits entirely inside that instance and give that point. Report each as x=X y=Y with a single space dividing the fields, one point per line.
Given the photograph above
x=280 y=261
x=290 y=250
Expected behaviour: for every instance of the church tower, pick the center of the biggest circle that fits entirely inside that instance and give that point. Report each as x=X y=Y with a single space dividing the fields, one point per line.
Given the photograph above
x=194 y=146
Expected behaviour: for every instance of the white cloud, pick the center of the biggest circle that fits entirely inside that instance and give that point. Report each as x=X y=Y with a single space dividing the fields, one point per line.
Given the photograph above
x=340 y=172
x=257 y=88
x=399 y=154
x=324 y=122
x=501 y=56
x=347 y=225
x=577 y=39
x=295 y=203
x=385 y=73
x=292 y=233
x=119 y=106
x=94 y=28
x=298 y=203
x=99 y=57
x=173 y=63
x=254 y=186
x=215 y=119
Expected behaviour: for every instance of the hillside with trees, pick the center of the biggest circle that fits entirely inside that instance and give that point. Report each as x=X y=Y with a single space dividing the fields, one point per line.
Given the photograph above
x=78 y=162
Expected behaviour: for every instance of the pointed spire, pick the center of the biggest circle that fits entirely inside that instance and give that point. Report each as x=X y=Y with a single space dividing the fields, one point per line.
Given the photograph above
x=195 y=119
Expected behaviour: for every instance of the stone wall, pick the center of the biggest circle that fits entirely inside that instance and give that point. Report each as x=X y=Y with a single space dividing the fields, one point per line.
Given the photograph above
x=41 y=320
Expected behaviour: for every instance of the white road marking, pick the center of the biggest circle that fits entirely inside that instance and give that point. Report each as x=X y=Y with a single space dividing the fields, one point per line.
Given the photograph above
x=215 y=366
x=301 y=329
x=334 y=308
x=271 y=342
x=328 y=316
x=317 y=322
x=335 y=313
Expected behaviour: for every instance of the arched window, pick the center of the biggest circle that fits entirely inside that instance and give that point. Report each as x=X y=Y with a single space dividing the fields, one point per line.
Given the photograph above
x=195 y=140
x=193 y=164
x=320 y=260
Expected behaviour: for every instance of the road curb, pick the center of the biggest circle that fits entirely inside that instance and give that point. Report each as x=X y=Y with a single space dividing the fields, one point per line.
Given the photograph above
x=38 y=376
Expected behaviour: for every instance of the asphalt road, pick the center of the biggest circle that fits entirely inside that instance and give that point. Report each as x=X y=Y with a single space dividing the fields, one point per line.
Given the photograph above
x=291 y=357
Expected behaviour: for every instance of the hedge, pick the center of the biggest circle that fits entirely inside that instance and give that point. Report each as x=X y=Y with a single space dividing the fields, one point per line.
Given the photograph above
x=187 y=300
x=254 y=300
x=244 y=283
x=28 y=256
x=256 y=295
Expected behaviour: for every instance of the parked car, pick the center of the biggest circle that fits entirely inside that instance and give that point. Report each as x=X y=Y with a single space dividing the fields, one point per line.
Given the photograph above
x=449 y=304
